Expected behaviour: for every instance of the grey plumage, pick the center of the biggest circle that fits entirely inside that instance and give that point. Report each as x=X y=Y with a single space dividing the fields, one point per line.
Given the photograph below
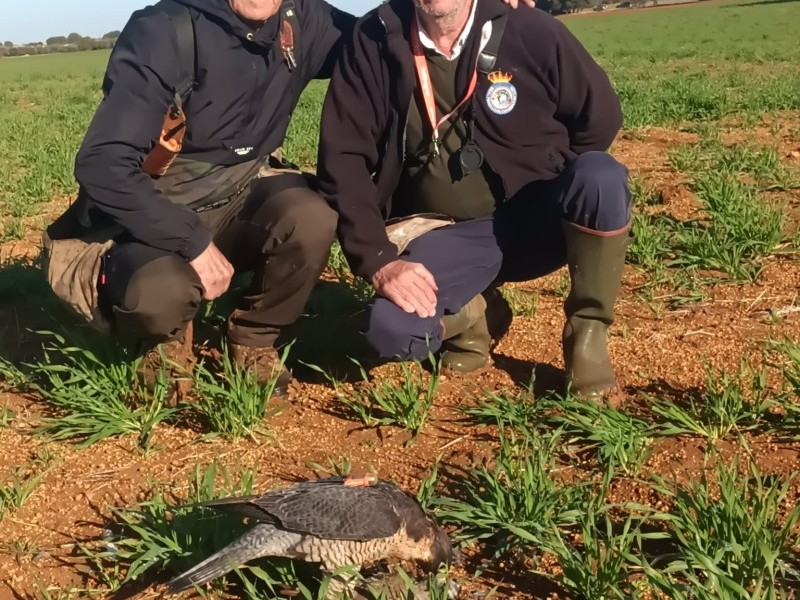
x=328 y=522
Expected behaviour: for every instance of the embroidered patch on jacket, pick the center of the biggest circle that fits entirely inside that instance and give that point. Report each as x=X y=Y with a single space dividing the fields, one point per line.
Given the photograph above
x=243 y=151
x=501 y=97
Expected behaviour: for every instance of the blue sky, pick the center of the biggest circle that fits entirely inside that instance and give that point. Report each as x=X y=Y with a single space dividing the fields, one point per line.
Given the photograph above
x=37 y=20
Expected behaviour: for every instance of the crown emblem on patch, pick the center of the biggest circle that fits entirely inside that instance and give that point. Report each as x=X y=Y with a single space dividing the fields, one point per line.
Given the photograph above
x=499 y=77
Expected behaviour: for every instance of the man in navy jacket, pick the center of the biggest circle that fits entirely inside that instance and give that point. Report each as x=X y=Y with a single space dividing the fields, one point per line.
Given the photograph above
x=499 y=125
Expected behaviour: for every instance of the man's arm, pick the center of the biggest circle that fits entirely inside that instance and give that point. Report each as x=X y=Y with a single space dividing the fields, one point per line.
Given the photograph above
x=137 y=91
x=353 y=119
x=587 y=103
x=326 y=31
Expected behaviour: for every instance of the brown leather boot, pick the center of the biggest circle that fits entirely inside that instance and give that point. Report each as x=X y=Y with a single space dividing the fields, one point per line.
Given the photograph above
x=176 y=361
x=466 y=339
x=595 y=264
x=265 y=365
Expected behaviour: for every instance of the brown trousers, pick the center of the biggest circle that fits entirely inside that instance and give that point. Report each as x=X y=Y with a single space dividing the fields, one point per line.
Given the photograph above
x=281 y=230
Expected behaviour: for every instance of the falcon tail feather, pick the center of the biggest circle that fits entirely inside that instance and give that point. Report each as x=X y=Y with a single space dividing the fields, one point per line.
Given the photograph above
x=261 y=540
x=214 y=566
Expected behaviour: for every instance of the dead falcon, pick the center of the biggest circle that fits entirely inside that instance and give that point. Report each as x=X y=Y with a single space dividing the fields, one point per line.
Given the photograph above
x=329 y=521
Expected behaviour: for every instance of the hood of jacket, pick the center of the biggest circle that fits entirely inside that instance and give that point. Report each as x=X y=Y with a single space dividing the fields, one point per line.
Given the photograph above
x=221 y=12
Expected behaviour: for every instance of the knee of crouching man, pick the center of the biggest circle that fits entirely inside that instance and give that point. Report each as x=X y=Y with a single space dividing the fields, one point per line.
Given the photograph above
x=159 y=300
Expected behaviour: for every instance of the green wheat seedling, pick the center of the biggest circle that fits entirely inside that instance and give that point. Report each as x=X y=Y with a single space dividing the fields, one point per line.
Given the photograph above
x=341 y=467
x=45 y=592
x=509 y=407
x=337 y=263
x=596 y=563
x=11 y=377
x=791 y=367
x=233 y=402
x=96 y=396
x=729 y=403
x=642 y=192
x=17 y=491
x=762 y=164
x=427 y=485
x=522 y=303
x=7 y=416
x=786 y=358
x=733 y=536
x=619 y=440
x=361 y=289
x=406 y=404
x=651 y=243
x=13 y=229
x=742 y=229
x=513 y=502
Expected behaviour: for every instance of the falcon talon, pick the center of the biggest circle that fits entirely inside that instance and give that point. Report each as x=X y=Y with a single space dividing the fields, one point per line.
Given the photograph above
x=329 y=522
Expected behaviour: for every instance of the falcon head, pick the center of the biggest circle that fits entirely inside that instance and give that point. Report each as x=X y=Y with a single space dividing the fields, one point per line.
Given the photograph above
x=442 y=551
x=433 y=547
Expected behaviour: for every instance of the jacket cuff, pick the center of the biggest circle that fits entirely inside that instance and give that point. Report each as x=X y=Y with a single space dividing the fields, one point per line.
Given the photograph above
x=196 y=243
x=375 y=261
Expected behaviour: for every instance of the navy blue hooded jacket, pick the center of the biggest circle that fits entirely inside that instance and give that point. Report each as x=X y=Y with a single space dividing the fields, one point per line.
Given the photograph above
x=238 y=113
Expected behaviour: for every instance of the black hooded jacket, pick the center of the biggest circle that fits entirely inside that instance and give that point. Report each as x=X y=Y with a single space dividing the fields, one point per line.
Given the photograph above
x=565 y=106
x=238 y=112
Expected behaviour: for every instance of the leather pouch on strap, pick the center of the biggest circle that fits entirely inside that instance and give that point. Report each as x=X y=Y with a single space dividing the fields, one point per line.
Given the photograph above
x=403 y=230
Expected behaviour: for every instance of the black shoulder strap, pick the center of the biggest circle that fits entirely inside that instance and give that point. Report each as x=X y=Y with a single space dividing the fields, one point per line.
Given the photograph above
x=181 y=18
x=290 y=34
x=488 y=55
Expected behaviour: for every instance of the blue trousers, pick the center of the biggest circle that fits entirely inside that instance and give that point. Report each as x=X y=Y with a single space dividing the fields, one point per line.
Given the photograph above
x=522 y=240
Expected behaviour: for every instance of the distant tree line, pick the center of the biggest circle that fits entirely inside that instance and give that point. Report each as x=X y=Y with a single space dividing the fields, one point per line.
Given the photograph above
x=564 y=6
x=74 y=42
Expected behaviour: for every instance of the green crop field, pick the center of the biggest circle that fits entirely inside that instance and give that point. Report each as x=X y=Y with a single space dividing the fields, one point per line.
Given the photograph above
x=683 y=487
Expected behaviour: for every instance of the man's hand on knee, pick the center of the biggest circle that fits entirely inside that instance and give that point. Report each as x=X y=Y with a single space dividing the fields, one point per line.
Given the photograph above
x=409 y=285
x=214 y=271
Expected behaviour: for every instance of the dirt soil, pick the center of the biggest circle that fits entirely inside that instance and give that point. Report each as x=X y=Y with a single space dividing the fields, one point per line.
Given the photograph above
x=657 y=350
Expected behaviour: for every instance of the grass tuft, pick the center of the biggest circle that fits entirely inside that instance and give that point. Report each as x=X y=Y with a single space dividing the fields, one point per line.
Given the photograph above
x=733 y=537
x=232 y=401
x=406 y=403
x=729 y=403
x=95 y=395
x=513 y=502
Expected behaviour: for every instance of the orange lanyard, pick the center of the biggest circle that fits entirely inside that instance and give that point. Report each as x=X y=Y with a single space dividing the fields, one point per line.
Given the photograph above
x=426 y=87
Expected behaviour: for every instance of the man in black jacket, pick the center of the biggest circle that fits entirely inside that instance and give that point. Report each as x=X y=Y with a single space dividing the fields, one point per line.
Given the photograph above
x=138 y=251
x=498 y=125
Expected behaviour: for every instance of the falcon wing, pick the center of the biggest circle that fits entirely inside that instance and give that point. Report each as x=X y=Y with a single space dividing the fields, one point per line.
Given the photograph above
x=243 y=506
x=332 y=510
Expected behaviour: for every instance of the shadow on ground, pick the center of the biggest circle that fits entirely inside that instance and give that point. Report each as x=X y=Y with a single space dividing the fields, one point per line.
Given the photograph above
x=27 y=307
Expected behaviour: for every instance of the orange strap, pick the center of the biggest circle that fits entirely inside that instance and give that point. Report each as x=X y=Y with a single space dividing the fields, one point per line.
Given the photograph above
x=362 y=481
x=426 y=87
x=169 y=144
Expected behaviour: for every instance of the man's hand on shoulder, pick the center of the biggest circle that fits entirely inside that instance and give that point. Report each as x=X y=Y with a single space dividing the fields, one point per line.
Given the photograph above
x=214 y=271
x=409 y=285
x=515 y=3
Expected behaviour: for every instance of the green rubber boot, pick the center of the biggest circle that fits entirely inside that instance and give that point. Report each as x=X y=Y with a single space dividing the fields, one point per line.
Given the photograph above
x=466 y=339
x=595 y=262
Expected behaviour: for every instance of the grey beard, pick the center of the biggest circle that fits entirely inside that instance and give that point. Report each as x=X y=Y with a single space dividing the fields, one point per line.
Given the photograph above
x=443 y=19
